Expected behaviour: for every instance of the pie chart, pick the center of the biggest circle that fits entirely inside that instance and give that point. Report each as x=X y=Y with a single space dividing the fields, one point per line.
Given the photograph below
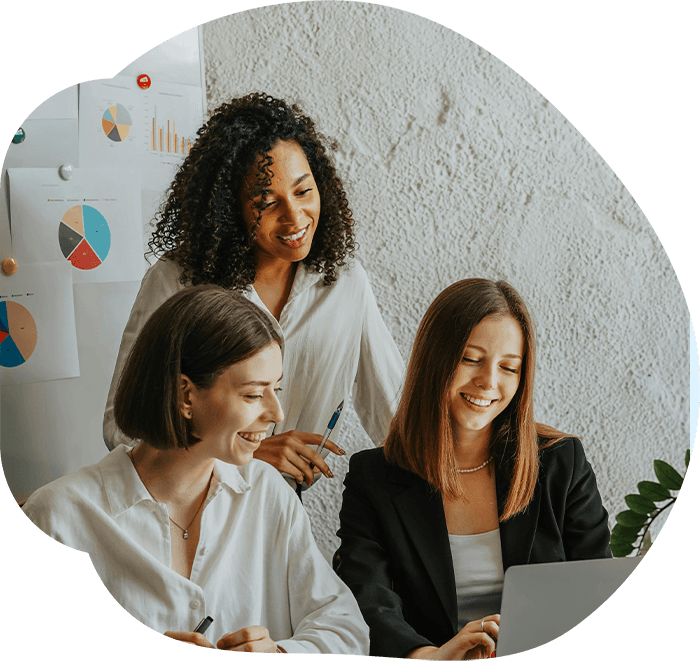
x=116 y=123
x=84 y=237
x=17 y=334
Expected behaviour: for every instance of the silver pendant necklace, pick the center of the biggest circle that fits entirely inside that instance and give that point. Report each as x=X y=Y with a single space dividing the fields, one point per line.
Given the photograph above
x=185 y=533
x=470 y=471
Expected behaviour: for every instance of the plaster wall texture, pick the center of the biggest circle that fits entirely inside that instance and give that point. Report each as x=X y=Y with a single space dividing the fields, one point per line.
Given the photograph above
x=456 y=167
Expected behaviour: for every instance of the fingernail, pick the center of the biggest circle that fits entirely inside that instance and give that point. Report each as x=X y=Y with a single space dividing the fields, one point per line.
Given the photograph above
x=329 y=474
x=493 y=654
x=342 y=451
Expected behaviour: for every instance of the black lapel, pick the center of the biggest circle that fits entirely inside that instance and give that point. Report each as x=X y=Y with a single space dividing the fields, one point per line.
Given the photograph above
x=421 y=512
x=518 y=532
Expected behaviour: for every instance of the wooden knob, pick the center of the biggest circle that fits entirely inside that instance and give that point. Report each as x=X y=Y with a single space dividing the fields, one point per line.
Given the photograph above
x=9 y=266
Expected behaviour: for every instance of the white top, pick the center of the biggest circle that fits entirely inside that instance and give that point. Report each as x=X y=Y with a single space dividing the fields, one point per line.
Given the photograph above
x=478 y=567
x=256 y=561
x=335 y=343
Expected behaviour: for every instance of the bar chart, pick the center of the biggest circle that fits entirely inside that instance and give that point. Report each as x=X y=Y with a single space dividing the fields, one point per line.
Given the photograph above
x=164 y=137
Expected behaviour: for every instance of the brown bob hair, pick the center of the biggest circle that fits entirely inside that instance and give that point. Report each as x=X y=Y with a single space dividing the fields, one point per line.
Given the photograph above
x=198 y=332
x=420 y=436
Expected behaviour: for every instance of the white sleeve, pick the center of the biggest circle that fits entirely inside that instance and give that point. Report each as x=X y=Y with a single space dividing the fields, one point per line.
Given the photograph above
x=159 y=284
x=324 y=613
x=380 y=373
x=52 y=509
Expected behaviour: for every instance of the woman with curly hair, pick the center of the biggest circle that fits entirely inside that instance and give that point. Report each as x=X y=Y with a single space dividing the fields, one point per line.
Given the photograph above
x=258 y=207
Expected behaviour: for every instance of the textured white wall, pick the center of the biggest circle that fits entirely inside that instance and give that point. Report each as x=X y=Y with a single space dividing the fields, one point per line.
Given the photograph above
x=458 y=168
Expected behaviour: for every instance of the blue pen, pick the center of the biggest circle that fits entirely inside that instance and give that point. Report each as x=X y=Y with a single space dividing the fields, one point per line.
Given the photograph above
x=326 y=434
x=329 y=428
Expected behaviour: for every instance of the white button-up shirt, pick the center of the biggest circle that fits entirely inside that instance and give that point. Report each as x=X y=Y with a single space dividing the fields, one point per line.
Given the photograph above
x=256 y=562
x=335 y=343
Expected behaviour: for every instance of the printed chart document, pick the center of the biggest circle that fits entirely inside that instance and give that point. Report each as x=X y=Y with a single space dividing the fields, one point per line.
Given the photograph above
x=37 y=324
x=92 y=221
x=150 y=130
x=61 y=106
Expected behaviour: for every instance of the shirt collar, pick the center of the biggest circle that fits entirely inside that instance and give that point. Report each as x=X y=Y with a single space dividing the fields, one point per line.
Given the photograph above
x=229 y=476
x=124 y=488
x=303 y=280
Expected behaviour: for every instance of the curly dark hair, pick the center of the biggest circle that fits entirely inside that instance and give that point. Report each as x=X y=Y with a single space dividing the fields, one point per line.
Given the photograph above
x=200 y=223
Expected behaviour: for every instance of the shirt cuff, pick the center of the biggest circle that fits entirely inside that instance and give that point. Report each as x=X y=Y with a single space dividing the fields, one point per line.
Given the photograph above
x=292 y=646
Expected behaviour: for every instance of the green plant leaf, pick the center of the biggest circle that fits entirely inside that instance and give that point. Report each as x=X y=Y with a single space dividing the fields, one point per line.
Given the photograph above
x=667 y=475
x=653 y=491
x=624 y=534
x=687 y=458
x=631 y=519
x=639 y=504
x=622 y=549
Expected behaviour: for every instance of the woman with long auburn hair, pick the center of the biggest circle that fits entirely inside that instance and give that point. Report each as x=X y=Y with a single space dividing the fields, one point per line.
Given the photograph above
x=466 y=484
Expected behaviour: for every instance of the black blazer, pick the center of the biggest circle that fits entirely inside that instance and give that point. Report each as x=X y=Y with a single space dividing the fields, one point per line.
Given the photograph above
x=395 y=554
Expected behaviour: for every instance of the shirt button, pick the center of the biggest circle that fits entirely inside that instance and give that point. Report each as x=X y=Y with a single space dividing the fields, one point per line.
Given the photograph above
x=194 y=604
x=203 y=551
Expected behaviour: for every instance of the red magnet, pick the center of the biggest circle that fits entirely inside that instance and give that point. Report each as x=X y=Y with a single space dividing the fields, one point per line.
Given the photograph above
x=144 y=81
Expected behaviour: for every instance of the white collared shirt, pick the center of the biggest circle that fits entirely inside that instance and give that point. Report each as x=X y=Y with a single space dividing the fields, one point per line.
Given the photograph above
x=256 y=561
x=335 y=343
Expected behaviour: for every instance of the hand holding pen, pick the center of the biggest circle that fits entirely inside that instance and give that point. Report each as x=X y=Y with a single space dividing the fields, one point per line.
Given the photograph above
x=329 y=428
x=293 y=453
x=255 y=638
x=195 y=637
x=324 y=441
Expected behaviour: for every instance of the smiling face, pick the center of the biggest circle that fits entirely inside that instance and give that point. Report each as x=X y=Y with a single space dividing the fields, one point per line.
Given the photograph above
x=290 y=208
x=232 y=416
x=487 y=377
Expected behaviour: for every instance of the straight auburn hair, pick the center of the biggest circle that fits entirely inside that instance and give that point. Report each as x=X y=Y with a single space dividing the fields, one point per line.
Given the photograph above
x=198 y=332
x=420 y=436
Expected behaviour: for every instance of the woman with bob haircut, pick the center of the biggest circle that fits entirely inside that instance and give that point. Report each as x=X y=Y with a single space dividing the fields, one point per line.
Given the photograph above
x=466 y=485
x=187 y=524
x=257 y=207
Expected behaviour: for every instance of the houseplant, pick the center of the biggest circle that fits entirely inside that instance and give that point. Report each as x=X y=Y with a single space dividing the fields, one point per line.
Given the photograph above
x=631 y=532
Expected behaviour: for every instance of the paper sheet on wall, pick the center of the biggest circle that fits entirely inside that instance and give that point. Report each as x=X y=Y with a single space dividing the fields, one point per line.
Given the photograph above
x=152 y=130
x=61 y=106
x=47 y=144
x=37 y=324
x=93 y=221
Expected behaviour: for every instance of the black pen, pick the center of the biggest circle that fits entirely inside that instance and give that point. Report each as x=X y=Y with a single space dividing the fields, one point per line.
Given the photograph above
x=203 y=625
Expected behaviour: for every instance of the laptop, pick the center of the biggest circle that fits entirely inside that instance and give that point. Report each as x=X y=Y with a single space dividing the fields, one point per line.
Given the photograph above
x=542 y=601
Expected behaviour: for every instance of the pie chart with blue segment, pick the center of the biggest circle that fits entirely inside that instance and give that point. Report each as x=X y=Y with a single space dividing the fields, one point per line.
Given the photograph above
x=116 y=123
x=84 y=237
x=18 y=334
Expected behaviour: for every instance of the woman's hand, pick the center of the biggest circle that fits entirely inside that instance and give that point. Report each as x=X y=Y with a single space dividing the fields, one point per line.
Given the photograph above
x=293 y=453
x=190 y=638
x=253 y=639
x=470 y=643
